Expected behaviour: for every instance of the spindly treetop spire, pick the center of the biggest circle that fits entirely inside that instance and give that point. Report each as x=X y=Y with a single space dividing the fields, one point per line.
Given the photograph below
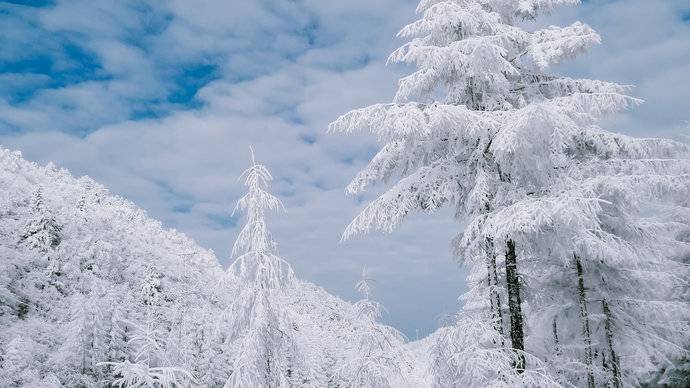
x=254 y=250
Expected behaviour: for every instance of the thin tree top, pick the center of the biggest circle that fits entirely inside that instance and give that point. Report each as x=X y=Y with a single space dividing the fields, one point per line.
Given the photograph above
x=364 y=285
x=366 y=307
x=256 y=260
x=255 y=236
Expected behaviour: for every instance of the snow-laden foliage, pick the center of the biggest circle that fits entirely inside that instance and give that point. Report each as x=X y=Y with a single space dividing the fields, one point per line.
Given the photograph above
x=576 y=238
x=381 y=360
x=256 y=262
x=257 y=326
x=471 y=353
x=93 y=293
x=77 y=265
x=148 y=344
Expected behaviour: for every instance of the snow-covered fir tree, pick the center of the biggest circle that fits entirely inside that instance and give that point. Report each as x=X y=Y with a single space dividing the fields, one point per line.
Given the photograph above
x=379 y=348
x=484 y=127
x=149 y=366
x=42 y=231
x=603 y=274
x=260 y=332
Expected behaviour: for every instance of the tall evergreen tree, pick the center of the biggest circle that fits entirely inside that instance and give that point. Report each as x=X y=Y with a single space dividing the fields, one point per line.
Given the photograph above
x=259 y=331
x=484 y=127
x=603 y=260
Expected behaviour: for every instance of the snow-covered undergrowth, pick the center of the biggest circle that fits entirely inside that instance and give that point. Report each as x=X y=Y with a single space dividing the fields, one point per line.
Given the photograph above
x=93 y=292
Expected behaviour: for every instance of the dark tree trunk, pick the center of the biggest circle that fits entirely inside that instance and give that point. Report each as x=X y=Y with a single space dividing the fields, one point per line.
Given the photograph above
x=517 y=335
x=584 y=315
x=556 y=345
x=608 y=326
x=494 y=296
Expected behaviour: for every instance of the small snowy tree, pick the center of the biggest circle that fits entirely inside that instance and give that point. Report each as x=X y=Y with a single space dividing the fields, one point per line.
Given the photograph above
x=18 y=359
x=141 y=371
x=379 y=360
x=148 y=366
x=256 y=262
x=42 y=231
x=260 y=333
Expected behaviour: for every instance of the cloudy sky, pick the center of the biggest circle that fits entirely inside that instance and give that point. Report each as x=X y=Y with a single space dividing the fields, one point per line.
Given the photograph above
x=160 y=100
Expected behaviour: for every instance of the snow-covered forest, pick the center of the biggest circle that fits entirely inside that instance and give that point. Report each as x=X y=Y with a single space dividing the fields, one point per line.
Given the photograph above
x=576 y=241
x=95 y=293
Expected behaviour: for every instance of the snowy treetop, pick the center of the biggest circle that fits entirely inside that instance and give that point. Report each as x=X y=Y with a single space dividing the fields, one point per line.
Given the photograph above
x=256 y=259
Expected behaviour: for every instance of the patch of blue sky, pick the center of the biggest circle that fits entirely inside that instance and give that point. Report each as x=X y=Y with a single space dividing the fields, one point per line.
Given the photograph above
x=190 y=80
x=223 y=221
x=284 y=188
x=31 y=3
x=184 y=82
x=170 y=192
x=311 y=31
x=320 y=184
x=308 y=138
x=40 y=71
x=47 y=60
x=152 y=21
x=8 y=128
x=144 y=110
x=183 y=208
x=286 y=109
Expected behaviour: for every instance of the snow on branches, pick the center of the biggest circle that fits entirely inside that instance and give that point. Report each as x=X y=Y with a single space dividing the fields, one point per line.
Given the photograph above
x=582 y=223
x=254 y=250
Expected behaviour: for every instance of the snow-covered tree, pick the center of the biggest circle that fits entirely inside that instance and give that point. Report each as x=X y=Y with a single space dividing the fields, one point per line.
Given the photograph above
x=148 y=366
x=484 y=127
x=42 y=231
x=602 y=276
x=379 y=352
x=17 y=359
x=472 y=353
x=256 y=260
x=259 y=331
x=146 y=369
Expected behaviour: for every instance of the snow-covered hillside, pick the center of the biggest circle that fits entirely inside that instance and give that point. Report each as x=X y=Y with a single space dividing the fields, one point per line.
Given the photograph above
x=91 y=290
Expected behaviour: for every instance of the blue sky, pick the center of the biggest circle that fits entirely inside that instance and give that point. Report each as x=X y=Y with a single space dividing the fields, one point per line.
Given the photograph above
x=160 y=100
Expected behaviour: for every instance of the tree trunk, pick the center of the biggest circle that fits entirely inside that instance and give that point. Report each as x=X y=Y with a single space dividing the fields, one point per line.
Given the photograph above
x=608 y=326
x=517 y=335
x=584 y=315
x=556 y=344
x=494 y=296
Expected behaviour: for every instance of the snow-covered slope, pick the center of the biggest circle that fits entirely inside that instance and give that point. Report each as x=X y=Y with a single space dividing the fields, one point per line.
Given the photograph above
x=75 y=266
x=86 y=278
